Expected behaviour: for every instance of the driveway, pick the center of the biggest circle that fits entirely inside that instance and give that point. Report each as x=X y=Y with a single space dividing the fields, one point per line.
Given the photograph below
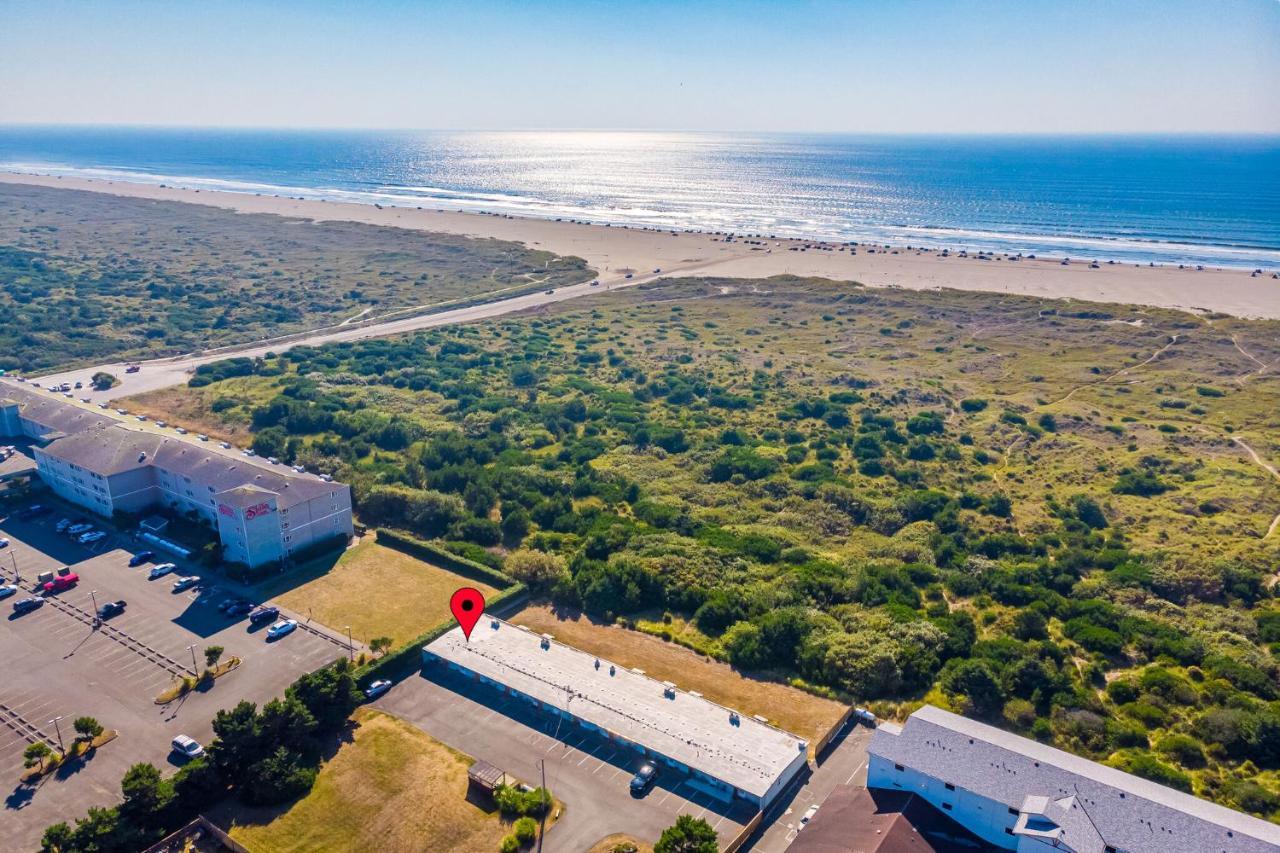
x=590 y=775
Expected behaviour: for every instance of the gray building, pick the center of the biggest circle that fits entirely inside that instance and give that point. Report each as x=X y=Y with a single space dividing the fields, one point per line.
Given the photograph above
x=726 y=754
x=1019 y=794
x=263 y=512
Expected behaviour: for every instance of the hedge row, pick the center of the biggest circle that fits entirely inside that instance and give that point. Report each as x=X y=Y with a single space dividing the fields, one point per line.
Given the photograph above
x=433 y=553
x=407 y=658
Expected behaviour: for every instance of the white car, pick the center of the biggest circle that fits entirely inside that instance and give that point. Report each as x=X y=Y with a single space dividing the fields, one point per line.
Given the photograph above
x=808 y=816
x=281 y=628
x=187 y=747
x=77 y=529
x=90 y=538
x=161 y=570
x=373 y=691
x=185 y=583
x=4 y=543
x=62 y=525
x=6 y=591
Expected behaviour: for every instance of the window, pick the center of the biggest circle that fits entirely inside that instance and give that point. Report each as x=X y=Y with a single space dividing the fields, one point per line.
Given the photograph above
x=898 y=767
x=1110 y=849
x=1008 y=830
x=1013 y=811
x=947 y=806
x=950 y=787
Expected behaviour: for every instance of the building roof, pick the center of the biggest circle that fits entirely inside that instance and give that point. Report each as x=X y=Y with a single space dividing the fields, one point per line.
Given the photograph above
x=1087 y=805
x=731 y=747
x=19 y=462
x=119 y=448
x=853 y=819
x=55 y=414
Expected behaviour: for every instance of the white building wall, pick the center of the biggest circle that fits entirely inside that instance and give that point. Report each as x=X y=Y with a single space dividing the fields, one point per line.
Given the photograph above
x=74 y=484
x=983 y=817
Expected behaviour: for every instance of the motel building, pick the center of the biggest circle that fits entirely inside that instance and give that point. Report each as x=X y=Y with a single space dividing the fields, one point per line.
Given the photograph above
x=723 y=753
x=263 y=512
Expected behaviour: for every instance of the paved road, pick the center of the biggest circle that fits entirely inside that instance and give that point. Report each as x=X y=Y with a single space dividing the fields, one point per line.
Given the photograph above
x=843 y=763
x=167 y=372
x=590 y=775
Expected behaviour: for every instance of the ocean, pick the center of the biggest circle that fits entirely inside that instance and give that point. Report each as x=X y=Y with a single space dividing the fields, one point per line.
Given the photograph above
x=1177 y=200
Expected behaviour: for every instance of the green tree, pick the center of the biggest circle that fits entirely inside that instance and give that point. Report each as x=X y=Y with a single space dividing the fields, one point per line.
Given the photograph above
x=102 y=381
x=212 y=654
x=35 y=754
x=687 y=835
x=278 y=778
x=536 y=569
x=87 y=728
x=379 y=645
x=57 y=839
x=329 y=693
x=237 y=741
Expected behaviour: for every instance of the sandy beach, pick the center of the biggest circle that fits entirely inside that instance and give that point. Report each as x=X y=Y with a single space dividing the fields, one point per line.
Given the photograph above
x=617 y=251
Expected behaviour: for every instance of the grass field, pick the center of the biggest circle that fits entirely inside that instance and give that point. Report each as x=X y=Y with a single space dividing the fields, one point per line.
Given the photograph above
x=378 y=591
x=798 y=712
x=391 y=788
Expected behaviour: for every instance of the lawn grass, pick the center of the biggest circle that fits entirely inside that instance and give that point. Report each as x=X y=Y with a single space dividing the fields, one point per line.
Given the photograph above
x=378 y=591
x=391 y=788
x=786 y=707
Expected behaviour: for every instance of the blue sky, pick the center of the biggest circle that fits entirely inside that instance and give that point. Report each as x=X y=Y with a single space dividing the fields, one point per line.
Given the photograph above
x=892 y=66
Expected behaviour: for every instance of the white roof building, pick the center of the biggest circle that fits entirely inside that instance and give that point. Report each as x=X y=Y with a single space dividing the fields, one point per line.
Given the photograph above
x=739 y=754
x=1019 y=794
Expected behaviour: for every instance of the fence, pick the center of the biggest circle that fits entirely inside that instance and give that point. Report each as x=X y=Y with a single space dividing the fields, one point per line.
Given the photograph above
x=825 y=740
x=741 y=838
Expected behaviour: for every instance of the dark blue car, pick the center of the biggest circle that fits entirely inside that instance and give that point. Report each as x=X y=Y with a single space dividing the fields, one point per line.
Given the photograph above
x=141 y=557
x=264 y=614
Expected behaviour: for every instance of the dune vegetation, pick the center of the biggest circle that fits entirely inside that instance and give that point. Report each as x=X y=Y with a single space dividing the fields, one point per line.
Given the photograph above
x=1054 y=516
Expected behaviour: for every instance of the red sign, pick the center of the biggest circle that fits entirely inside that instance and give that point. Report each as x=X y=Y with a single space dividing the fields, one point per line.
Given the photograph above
x=257 y=510
x=226 y=510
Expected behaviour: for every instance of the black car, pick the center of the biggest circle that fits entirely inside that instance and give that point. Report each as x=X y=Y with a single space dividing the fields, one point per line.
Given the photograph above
x=644 y=778
x=264 y=614
x=140 y=558
x=28 y=604
x=238 y=608
x=111 y=608
x=34 y=511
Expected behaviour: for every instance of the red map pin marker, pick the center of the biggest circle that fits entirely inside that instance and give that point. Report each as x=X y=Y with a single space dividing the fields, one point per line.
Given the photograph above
x=467 y=605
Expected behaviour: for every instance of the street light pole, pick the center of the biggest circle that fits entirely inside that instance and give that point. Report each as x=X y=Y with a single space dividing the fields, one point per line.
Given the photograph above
x=351 y=652
x=542 y=766
x=93 y=596
x=17 y=578
x=58 y=729
x=195 y=668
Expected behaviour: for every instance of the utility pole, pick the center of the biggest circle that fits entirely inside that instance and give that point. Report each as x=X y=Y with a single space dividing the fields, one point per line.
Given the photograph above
x=542 y=765
x=351 y=652
x=58 y=729
x=93 y=596
x=195 y=668
x=17 y=578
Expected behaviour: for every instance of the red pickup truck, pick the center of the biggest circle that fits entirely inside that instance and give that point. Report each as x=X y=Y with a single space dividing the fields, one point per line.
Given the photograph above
x=62 y=582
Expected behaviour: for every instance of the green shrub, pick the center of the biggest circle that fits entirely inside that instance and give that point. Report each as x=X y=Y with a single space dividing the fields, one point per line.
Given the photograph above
x=525 y=829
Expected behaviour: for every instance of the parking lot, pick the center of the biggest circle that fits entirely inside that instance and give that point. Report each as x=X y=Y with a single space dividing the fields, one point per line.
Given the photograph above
x=589 y=773
x=59 y=663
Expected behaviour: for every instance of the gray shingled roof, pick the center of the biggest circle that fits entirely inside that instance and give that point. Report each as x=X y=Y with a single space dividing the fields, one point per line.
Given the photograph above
x=118 y=448
x=54 y=413
x=1086 y=799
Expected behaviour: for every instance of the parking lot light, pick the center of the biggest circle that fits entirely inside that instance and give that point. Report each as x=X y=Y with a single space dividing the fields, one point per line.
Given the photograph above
x=351 y=652
x=93 y=596
x=58 y=729
x=195 y=668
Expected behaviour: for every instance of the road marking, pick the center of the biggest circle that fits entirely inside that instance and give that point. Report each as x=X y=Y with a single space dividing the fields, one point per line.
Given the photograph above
x=854 y=773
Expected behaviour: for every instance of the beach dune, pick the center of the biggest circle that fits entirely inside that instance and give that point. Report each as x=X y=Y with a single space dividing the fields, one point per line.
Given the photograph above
x=617 y=251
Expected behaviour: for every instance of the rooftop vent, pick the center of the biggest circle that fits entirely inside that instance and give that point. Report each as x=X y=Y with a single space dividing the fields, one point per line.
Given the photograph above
x=734 y=719
x=545 y=644
x=668 y=690
x=142 y=457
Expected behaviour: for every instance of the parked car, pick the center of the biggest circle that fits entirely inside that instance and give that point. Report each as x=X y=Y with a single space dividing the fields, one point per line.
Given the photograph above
x=62 y=525
x=61 y=582
x=77 y=529
x=91 y=537
x=807 y=816
x=644 y=778
x=237 y=607
x=373 y=691
x=26 y=605
x=264 y=614
x=187 y=747
x=281 y=628
x=6 y=591
x=185 y=583
x=34 y=511
x=4 y=543
x=160 y=570
x=140 y=558
x=111 y=608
